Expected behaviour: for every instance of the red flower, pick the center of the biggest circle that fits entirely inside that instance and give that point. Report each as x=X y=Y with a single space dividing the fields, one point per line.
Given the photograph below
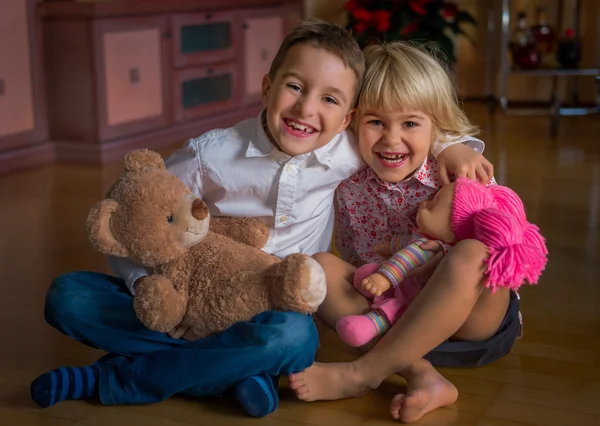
x=409 y=28
x=360 y=27
x=381 y=18
x=361 y=14
x=449 y=10
x=418 y=6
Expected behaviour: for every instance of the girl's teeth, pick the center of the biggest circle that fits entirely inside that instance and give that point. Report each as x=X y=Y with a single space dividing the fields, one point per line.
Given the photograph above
x=393 y=158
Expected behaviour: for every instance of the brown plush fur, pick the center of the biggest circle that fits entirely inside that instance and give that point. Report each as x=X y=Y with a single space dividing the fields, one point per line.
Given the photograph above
x=206 y=273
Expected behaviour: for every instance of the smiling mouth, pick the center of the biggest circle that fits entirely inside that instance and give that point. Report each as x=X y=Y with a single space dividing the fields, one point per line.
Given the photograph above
x=193 y=233
x=299 y=127
x=391 y=157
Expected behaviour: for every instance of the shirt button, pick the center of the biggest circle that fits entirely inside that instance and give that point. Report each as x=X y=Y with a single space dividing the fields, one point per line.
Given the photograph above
x=283 y=218
x=289 y=168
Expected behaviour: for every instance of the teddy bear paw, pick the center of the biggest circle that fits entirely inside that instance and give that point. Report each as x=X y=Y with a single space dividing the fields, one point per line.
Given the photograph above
x=157 y=304
x=314 y=293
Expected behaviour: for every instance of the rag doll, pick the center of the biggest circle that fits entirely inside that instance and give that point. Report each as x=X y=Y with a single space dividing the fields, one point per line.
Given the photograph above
x=465 y=209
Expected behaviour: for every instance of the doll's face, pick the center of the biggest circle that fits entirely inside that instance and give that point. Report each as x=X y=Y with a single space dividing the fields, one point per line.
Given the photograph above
x=434 y=217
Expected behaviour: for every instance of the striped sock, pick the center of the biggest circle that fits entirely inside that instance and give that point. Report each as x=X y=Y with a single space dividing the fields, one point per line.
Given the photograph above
x=65 y=383
x=380 y=321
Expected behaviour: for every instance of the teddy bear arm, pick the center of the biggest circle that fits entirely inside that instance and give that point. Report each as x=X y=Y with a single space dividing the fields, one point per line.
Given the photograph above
x=246 y=230
x=157 y=304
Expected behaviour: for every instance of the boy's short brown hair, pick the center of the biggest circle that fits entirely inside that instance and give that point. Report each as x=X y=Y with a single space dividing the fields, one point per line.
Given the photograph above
x=331 y=37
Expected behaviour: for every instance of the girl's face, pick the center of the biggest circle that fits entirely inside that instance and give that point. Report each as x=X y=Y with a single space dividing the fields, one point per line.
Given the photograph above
x=394 y=143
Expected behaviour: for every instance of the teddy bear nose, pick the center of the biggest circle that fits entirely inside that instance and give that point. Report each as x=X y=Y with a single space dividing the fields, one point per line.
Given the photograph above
x=199 y=209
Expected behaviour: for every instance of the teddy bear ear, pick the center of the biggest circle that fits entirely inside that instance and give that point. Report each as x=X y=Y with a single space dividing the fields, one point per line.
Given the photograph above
x=99 y=232
x=139 y=158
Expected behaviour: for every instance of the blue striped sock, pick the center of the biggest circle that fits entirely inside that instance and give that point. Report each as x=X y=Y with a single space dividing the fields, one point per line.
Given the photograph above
x=65 y=383
x=258 y=395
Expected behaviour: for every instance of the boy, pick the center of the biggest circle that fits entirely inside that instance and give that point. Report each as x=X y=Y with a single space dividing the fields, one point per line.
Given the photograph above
x=283 y=167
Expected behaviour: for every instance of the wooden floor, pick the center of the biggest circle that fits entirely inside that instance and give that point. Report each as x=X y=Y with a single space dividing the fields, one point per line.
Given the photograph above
x=551 y=378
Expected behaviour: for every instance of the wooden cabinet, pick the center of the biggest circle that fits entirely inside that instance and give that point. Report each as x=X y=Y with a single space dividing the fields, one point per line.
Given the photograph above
x=23 y=131
x=134 y=73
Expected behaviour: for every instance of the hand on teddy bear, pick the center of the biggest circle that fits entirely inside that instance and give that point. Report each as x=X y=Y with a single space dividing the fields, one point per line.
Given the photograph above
x=376 y=284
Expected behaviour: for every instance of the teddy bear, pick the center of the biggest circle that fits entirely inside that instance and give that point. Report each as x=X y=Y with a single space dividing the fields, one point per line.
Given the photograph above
x=207 y=273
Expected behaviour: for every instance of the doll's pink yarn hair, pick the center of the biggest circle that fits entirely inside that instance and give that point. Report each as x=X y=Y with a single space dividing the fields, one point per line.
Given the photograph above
x=495 y=215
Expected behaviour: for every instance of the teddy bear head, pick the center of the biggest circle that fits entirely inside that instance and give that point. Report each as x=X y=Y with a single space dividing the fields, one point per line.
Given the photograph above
x=148 y=215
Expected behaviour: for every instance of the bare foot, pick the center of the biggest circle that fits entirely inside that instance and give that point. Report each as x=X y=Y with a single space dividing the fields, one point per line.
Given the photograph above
x=426 y=391
x=328 y=381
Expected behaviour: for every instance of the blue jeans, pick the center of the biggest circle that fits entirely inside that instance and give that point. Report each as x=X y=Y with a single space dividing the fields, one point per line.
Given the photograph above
x=97 y=310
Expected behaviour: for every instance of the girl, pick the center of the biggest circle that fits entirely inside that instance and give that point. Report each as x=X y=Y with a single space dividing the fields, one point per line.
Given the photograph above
x=407 y=103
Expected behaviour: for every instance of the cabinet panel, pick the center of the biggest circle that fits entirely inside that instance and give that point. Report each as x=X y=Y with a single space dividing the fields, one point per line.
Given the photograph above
x=293 y=17
x=133 y=75
x=132 y=68
x=263 y=34
x=16 y=90
x=262 y=39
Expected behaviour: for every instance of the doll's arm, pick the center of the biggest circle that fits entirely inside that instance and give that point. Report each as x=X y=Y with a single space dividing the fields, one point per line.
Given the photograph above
x=402 y=262
x=400 y=241
x=245 y=230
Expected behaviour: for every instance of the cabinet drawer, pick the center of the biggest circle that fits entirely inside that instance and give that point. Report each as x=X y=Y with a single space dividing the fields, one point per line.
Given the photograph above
x=205 y=90
x=205 y=38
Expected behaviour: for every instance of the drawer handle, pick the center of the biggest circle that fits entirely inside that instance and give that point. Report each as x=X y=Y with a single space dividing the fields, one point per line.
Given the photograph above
x=134 y=75
x=2 y=87
x=210 y=71
x=264 y=54
x=208 y=16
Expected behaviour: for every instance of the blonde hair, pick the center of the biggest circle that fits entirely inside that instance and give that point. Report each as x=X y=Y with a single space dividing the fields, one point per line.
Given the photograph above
x=400 y=75
x=330 y=37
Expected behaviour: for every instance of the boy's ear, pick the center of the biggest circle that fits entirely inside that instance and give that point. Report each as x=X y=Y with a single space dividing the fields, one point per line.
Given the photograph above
x=266 y=88
x=347 y=120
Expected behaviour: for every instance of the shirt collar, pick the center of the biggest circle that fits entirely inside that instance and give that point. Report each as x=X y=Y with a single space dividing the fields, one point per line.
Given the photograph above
x=259 y=145
x=426 y=174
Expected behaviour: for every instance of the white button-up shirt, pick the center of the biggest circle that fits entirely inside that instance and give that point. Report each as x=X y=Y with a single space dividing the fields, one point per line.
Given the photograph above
x=238 y=172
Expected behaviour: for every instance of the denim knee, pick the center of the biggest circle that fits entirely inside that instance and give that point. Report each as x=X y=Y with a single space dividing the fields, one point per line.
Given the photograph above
x=297 y=334
x=67 y=300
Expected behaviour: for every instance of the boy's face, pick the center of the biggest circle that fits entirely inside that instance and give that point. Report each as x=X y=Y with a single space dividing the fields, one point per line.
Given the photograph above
x=394 y=143
x=309 y=101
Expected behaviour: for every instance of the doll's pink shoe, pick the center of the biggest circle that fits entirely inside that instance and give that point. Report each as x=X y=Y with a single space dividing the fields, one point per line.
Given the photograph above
x=358 y=330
